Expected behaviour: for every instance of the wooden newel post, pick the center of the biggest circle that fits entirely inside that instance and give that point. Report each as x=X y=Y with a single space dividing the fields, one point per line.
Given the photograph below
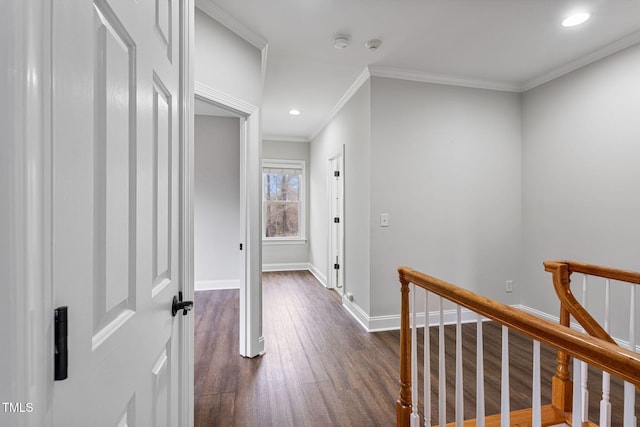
x=403 y=404
x=561 y=384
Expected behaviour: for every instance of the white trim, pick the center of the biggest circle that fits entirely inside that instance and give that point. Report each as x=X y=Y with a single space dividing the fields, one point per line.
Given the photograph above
x=333 y=283
x=264 y=54
x=276 y=138
x=291 y=266
x=26 y=212
x=302 y=200
x=203 y=91
x=358 y=313
x=362 y=79
x=253 y=343
x=273 y=241
x=210 y=285
x=251 y=340
x=214 y=11
x=186 y=108
x=443 y=79
x=603 y=52
x=392 y=322
x=318 y=275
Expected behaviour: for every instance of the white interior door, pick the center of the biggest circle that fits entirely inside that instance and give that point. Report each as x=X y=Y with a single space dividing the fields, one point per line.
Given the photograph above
x=116 y=70
x=336 y=223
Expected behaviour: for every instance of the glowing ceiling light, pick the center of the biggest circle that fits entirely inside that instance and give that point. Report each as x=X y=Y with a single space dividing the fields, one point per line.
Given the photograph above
x=575 y=19
x=294 y=112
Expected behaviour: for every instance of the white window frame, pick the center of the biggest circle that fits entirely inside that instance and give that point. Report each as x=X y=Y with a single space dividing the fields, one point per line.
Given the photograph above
x=302 y=218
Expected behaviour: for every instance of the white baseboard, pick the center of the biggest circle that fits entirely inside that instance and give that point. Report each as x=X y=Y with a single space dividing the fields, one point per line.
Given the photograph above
x=299 y=266
x=392 y=322
x=316 y=272
x=292 y=266
x=357 y=313
x=211 y=285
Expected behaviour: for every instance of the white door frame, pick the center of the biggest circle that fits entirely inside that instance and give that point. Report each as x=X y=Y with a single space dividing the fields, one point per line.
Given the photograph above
x=26 y=310
x=251 y=338
x=330 y=257
x=26 y=319
x=186 y=180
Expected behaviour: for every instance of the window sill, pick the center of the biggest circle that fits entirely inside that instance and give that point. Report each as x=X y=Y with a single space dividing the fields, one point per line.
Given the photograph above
x=269 y=242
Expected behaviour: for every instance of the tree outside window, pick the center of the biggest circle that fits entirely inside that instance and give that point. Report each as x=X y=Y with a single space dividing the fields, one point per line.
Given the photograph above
x=282 y=199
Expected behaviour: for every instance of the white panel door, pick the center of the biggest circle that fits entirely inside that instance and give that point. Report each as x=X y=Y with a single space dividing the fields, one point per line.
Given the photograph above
x=336 y=221
x=115 y=209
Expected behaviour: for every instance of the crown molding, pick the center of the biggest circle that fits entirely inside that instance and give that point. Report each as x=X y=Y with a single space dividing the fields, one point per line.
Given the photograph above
x=603 y=52
x=362 y=79
x=214 y=11
x=276 y=138
x=443 y=79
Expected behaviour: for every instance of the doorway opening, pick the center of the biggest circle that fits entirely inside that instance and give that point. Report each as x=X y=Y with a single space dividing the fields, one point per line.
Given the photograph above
x=248 y=244
x=216 y=202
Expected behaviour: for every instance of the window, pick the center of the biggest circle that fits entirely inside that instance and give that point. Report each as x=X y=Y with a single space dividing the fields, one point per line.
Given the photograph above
x=283 y=200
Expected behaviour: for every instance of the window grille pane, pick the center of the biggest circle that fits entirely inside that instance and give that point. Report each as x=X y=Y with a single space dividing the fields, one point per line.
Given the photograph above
x=282 y=187
x=281 y=219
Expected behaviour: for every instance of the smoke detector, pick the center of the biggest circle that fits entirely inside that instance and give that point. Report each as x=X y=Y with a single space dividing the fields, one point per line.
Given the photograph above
x=341 y=41
x=373 y=44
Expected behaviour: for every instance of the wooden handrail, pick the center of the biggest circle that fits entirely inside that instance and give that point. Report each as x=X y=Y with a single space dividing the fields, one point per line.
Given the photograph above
x=602 y=354
x=600 y=271
x=561 y=273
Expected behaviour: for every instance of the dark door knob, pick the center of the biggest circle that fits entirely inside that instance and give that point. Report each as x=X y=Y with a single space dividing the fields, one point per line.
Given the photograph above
x=178 y=305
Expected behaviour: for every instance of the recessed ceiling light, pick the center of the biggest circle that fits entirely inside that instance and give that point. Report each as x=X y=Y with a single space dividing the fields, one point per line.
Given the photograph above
x=575 y=19
x=294 y=112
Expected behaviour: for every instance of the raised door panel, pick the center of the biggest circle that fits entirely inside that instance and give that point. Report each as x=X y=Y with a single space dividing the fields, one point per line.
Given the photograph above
x=115 y=181
x=162 y=185
x=164 y=24
x=114 y=174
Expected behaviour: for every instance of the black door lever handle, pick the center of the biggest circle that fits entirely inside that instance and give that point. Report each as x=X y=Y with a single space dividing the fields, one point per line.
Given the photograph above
x=178 y=305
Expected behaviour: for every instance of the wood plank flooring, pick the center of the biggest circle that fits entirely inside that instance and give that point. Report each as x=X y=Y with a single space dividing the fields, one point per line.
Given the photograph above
x=321 y=368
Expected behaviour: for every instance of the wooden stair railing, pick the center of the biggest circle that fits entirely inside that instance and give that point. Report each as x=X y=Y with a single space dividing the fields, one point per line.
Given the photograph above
x=569 y=306
x=598 y=352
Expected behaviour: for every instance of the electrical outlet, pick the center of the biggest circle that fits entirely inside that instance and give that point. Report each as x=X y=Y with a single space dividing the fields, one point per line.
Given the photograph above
x=508 y=288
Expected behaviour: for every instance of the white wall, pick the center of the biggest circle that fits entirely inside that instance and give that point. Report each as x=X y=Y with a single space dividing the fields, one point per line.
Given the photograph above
x=351 y=127
x=217 y=202
x=581 y=174
x=445 y=166
x=225 y=62
x=285 y=255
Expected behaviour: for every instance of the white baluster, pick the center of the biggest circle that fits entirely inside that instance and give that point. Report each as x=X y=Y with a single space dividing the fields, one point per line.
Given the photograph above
x=442 y=385
x=415 y=416
x=577 y=399
x=459 y=382
x=605 y=404
x=479 y=374
x=629 y=389
x=505 y=411
x=536 y=415
x=427 y=363
x=584 y=366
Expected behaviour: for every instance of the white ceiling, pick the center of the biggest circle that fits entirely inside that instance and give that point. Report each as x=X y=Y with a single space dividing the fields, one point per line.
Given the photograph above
x=500 y=44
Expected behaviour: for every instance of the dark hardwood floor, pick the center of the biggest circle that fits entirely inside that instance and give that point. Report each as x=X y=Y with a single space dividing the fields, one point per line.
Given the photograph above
x=321 y=368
